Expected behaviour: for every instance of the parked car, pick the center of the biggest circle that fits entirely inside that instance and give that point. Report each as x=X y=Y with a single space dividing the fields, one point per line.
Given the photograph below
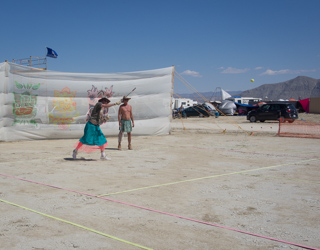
x=273 y=111
x=199 y=110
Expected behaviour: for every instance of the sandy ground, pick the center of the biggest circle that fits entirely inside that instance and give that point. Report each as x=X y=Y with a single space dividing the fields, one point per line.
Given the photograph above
x=207 y=185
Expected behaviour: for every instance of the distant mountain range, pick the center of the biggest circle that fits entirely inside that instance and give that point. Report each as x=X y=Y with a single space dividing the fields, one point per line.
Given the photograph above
x=301 y=86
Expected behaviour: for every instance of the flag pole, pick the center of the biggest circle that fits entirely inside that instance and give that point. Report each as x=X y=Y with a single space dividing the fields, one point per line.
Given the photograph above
x=46 y=57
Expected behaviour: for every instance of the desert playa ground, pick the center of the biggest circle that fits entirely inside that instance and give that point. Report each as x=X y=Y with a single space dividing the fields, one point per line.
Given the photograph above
x=212 y=183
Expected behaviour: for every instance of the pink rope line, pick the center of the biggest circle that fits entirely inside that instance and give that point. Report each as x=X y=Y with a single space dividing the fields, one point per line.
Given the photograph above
x=165 y=213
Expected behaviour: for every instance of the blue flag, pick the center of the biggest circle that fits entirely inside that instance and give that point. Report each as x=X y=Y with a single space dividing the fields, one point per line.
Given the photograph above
x=51 y=53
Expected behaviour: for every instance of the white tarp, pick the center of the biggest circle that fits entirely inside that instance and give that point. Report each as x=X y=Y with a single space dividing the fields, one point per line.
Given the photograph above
x=41 y=104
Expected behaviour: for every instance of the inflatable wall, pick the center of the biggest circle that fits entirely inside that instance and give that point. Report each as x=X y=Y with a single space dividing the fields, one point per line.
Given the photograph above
x=40 y=104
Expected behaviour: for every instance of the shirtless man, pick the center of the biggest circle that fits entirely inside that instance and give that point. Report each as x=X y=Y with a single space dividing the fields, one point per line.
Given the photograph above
x=125 y=117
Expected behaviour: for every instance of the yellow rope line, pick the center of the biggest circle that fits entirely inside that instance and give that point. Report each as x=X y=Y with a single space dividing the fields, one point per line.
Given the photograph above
x=209 y=177
x=288 y=179
x=22 y=161
x=77 y=225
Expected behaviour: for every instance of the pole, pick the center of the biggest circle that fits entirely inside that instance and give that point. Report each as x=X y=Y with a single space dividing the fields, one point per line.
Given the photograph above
x=172 y=84
x=131 y=91
x=46 y=57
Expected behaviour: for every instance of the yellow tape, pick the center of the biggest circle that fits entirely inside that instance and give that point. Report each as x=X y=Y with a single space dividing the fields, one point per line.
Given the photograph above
x=38 y=159
x=77 y=225
x=288 y=179
x=207 y=177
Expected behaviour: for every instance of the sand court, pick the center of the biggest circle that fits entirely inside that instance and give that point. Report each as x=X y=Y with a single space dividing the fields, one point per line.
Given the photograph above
x=197 y=188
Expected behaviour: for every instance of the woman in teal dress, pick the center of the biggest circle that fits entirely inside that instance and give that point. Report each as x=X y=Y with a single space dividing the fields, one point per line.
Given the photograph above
x=93 y=136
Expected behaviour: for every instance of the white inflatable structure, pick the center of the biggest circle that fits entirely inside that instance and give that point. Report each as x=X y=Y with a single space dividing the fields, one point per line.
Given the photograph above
x=40 y=104
x=227 y=107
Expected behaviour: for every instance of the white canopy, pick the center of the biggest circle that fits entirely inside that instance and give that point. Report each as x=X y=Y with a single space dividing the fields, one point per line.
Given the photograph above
x=225 y=94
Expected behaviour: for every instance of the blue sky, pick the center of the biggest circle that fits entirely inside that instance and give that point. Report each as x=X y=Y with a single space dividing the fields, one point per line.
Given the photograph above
x=212 y=44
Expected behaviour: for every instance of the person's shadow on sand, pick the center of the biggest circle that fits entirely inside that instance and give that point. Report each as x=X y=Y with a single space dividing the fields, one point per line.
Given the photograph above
x=79 y=159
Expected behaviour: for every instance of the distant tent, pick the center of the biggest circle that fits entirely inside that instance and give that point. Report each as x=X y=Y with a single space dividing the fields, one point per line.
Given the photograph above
x=225 y=94
x=227 y=107
x=219 y=95
x=305 y=104
x=245 y=105
x=243 y=109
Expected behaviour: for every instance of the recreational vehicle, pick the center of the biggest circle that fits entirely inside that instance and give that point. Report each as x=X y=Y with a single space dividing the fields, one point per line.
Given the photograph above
x=177 y=102
x=245 y=100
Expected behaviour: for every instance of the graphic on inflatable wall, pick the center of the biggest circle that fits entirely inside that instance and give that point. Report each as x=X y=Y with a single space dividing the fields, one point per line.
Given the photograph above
x=94 y=95
x=25 y=100
x=64 y=108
